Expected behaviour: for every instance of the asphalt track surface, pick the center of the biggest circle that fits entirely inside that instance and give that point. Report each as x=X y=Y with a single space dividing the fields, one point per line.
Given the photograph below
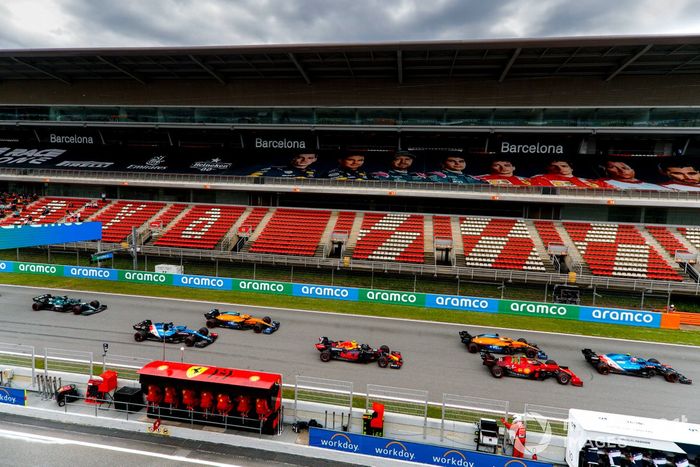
x=434 y=358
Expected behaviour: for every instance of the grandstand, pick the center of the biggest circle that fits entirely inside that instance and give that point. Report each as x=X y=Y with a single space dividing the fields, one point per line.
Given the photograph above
x=543 y=127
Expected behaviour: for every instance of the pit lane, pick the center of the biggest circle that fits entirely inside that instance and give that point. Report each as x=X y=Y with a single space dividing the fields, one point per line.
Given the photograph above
x=435 y=359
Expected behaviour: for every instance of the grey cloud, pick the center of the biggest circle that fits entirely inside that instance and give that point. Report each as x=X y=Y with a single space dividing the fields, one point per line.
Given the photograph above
x=105 y=23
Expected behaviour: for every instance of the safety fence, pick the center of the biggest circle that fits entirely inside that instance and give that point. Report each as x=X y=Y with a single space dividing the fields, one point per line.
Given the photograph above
x=639 y=318
x=332 y=402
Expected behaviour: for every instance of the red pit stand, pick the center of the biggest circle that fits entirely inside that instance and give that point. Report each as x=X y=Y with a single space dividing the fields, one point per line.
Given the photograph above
x=373 y=423
x=99 y=389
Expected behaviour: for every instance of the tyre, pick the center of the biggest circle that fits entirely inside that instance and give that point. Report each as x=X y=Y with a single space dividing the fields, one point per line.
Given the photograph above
x=257 y=329
x=36 y=306
x=384 y=349
x=497 y=371
x=473 y=347
x=383 y=362
x=653 y=360
x=672 y=377
x=95 y=304
x=190 y=340
x=62 y=402
x=212 y=323
x=203 y=331
x=550 y=362
x=77 y=309
x=140 y=336
x=603 y=369
x=522 y=340
x=267 y=319
x=326 y=356
x=563 y=378
x=530 y=353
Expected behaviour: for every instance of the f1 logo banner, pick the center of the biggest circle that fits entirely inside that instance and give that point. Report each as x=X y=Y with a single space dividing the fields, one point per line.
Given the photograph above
x=19 y=236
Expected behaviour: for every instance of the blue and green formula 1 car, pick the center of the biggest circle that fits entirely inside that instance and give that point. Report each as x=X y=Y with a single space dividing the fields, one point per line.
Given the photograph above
x=626 y=364
x=66 y=304
x=168 y=332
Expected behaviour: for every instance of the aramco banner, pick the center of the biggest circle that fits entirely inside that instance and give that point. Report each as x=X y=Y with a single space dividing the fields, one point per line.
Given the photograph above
x=19 y=236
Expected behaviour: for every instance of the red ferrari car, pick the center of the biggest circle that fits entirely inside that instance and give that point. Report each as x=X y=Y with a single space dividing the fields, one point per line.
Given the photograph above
x=531 y=368
x=351 y=351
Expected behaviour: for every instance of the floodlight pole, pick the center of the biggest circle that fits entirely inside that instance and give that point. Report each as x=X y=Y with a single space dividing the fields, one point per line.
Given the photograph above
x=133 y=251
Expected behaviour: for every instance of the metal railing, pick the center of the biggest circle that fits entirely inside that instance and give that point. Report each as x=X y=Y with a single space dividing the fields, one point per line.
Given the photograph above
x=237 y=182
x=462 y=272
x=456 y=411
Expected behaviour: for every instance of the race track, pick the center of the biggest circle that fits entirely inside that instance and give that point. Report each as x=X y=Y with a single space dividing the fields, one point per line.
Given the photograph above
x=435 y=359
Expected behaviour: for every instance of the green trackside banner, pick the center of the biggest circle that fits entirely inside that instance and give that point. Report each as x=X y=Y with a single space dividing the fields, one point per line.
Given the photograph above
x=145 y=277
x=38 y=268
x=392 y=297
x=267 y=287
x=545 y=310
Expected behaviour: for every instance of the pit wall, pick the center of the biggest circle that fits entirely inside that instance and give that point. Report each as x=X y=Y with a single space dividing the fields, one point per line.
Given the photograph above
x=639 y=318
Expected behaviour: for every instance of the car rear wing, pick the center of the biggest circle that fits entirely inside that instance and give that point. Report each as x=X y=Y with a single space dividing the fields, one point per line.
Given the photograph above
x=591 y=356
x=465 y=336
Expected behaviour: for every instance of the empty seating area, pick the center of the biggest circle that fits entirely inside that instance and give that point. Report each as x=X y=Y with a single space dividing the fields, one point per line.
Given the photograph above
x=252 y=220
x=692 y=234
x=548 y=233
x=666 y=239
x=498 y=243
x=620 y=251
x=292 y=232
x=201 y=227
x=391 y=237
x=120 y=217
x=343 y=223
x=442 y=227
x=609 y=249
x=167 y=216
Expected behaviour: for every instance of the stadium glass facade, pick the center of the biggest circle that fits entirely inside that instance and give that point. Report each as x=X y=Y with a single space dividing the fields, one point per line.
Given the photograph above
x=583 y=118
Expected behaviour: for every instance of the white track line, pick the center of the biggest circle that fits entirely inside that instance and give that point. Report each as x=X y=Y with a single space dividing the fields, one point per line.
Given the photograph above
x=668 y=344
x=43 y=439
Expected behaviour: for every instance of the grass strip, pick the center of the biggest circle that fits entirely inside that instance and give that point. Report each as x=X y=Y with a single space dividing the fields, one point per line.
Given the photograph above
x=688 y=337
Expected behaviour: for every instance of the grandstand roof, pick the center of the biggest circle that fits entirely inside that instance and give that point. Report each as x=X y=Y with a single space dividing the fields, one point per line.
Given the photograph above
x=498 y=60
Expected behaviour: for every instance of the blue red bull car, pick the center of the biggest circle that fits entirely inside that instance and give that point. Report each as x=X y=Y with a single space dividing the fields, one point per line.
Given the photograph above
x=168 y=332
x=626 y=364
x=529 y=368
x=352 y=351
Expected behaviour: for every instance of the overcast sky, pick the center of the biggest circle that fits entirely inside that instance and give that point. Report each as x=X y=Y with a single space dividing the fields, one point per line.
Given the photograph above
x=148 y=23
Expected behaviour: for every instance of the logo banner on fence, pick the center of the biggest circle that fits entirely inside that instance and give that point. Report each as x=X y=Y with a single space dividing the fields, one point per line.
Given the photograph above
x=548 y=310
x=617 y=316
x=38 y=268
x=325 y=291
x=392 y=297
x=202 y=282
x=91 y=273
x=145 y=277
x=458 y=302
x=19 y=236
x=411 y=452
x=7 y=266
x=269 y=287
x=13 y=396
